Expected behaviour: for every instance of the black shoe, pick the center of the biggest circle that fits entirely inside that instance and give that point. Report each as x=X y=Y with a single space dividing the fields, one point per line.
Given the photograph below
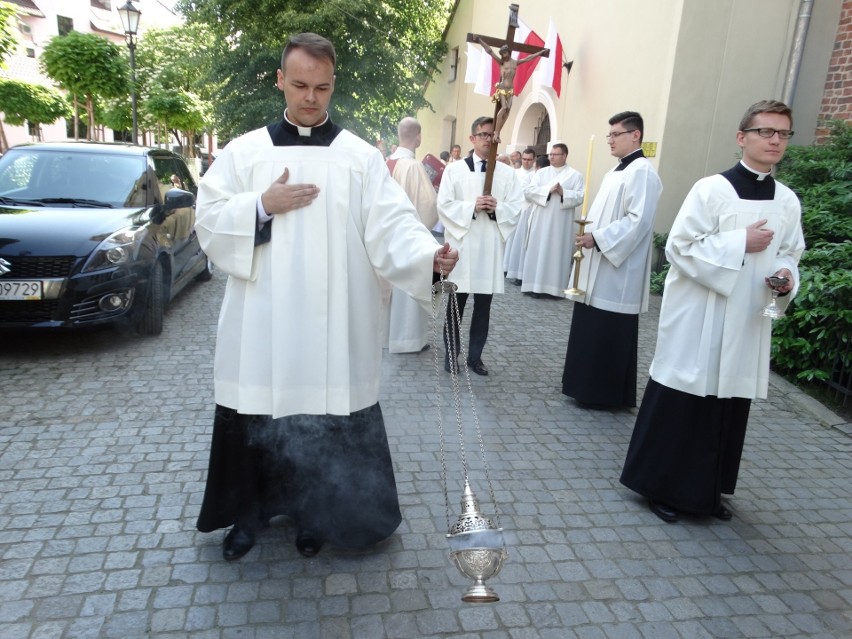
x=308 y=544
x=238 y=541
x=447 y=366
x=478 y=367
x=723 y=513
x=666 y=513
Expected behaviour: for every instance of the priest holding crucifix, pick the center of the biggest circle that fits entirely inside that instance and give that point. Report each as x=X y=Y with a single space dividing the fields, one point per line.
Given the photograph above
x=478 y=226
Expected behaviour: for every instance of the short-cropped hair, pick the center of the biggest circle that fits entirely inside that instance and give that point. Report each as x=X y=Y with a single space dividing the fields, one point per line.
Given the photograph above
x=630 y=120
x=480 y=121
x=314 y=45
x=765 y=106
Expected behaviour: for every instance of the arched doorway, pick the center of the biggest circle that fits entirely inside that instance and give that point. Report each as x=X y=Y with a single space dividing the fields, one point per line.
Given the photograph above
x=542 y=134
x=534 y=125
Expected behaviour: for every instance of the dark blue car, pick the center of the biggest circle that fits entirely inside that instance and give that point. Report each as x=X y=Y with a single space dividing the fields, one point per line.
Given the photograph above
x=94 y=233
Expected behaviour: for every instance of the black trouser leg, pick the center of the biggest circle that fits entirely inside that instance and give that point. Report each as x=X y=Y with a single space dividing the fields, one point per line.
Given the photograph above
x=479 y=325
x=451 y=329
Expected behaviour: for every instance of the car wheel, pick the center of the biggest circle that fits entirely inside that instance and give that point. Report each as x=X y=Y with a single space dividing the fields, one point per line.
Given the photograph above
x=151 y=320
x=207 y=274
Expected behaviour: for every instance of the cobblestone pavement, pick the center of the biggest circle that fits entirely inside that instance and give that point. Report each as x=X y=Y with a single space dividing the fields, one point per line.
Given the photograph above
x=104 y=440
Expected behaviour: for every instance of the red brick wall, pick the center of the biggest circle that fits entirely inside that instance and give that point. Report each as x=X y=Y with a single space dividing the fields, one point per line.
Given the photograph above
x=837 y=97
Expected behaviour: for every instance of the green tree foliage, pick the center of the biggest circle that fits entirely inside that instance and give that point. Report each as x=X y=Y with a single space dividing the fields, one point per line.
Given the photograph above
x=23 y=102
x=8 y=31
x=813 y=340
x=386 y=49
x=117 y=114
x=177 y=110
x=87 y=66
x=174 y=80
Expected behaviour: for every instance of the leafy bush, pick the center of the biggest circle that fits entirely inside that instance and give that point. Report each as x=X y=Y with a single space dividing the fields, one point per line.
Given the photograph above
x=658 y=279
x=814 y=337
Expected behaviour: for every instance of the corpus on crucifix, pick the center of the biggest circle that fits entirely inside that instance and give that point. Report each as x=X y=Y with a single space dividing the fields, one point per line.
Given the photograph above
x=505 y=91
x=505 y=87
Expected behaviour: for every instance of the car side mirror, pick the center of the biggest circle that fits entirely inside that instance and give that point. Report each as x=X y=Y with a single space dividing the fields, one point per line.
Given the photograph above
x=178 y=199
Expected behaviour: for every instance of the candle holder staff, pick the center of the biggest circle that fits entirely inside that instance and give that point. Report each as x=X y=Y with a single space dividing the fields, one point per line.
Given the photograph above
x=575 y=293
x=602 y=354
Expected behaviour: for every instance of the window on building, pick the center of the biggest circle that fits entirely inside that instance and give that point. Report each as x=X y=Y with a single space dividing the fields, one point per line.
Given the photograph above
x=82 y=128
x=454 y=65
x=64 y=24
x=30 y=52
x=106 y=5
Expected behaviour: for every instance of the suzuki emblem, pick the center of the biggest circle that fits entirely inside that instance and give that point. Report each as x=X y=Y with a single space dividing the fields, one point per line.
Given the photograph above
x=4 y=266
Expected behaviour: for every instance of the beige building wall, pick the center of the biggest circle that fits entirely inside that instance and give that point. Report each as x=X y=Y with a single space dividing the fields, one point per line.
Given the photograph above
x=730 y=54
x=691 y=67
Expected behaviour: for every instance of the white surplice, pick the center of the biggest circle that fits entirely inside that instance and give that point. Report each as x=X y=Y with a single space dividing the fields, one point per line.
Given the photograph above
x=616 y=278
x=550 y=241
x=713 y=339
x=408 y=321
x=300 y=330
x=480 y=241
x=516 y=245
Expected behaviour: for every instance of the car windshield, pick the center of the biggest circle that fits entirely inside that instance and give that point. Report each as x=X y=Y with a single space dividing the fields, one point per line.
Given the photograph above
x=43 y=177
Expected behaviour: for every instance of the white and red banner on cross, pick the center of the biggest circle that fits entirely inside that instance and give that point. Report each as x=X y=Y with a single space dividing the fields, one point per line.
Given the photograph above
x=483 y=71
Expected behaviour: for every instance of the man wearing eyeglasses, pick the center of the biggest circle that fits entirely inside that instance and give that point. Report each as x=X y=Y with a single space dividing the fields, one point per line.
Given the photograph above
x=555 y=192
x=478 y=226
x=602 y=355
x=733 y=231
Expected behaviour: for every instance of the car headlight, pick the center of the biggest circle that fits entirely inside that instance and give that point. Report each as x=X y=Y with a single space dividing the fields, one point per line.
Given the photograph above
x=118 y=249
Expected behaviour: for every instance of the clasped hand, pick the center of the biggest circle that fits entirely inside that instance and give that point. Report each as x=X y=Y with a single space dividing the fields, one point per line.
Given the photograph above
x=281 y=197
x=485 y=204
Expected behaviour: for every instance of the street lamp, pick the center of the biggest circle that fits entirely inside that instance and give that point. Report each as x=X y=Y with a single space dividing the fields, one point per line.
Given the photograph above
x=130 y=23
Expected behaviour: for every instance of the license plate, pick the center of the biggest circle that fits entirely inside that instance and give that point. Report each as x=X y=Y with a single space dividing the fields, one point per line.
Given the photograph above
x=20 y=290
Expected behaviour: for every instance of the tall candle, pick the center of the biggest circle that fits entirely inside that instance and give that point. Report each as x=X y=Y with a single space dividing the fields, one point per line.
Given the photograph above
x=588 y=178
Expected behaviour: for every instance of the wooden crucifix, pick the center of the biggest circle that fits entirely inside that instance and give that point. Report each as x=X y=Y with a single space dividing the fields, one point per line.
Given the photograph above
x=504 y=92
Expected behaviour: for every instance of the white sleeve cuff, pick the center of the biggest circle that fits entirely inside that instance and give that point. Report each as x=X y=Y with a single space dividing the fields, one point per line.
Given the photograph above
x=262 y=217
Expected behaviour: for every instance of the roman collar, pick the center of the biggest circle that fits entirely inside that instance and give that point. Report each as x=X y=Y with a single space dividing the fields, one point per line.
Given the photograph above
x=285 y=133
x=627 y=159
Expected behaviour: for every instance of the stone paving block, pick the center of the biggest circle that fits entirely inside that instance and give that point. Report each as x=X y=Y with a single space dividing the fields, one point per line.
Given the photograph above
x=86 y=628
x=134 y=599
x=265 y=612
x=334 y=606
x=126 y=624
x=170 y=619
x=232 y=614
x=200 y=618
x=100 y=605
x=408 y=600
x=367 y=626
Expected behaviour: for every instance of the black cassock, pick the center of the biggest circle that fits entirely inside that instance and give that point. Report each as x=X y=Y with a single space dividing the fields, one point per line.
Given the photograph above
x=331 y=474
